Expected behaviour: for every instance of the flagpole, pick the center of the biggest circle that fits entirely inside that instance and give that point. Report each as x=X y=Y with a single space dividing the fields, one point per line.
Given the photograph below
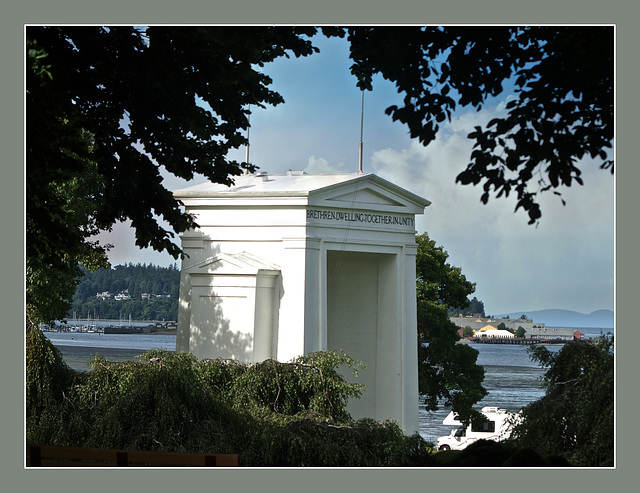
x=361 y=132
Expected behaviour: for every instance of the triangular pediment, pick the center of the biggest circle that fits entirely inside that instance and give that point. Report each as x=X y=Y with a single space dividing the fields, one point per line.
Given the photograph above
x=366 y=196
x=369 y=192
x=231 y=264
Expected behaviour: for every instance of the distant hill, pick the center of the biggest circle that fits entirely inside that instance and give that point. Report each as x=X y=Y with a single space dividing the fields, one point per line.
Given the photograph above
x=144 y=292
x=600 y=319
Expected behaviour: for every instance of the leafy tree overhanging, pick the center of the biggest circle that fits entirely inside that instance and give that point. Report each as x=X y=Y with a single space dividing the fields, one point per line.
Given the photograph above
x=113 y=104
x=106 y=107
x=576 y=416
x=561 y=112
x=447 y=372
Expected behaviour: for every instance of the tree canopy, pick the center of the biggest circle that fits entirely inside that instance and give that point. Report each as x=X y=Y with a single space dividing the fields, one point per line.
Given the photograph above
x=474 y=308
x=108 y=107
x=447 y=372
x=562 y=108
x=575 y=418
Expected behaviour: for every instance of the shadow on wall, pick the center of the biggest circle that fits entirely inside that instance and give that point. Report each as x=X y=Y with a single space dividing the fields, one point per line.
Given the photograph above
x=216 y=338
x=211 y=333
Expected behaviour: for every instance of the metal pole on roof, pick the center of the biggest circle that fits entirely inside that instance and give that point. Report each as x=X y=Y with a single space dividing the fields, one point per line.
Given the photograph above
x=361 y=132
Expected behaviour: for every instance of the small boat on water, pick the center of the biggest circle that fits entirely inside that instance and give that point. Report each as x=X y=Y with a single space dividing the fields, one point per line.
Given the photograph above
x=497 y=427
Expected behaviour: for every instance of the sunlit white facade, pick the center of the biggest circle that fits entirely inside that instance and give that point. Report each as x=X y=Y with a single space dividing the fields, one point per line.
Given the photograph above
x=283 y=265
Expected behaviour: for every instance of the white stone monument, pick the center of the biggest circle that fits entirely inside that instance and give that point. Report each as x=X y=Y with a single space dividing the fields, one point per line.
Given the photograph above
x=284 y=265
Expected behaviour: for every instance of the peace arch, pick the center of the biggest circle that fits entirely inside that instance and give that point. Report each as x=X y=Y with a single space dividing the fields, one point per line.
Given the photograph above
x=284 y=265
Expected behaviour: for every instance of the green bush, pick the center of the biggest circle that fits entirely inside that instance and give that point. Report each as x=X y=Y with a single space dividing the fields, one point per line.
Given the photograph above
x=575 y=418
x=487 y=453
x=309 y=386
x=47 y=375
x=364 y=443
x=270 y=414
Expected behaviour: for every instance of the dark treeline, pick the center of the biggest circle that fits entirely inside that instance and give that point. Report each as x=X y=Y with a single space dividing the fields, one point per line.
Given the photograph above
x=475 y=308
x=151 y=293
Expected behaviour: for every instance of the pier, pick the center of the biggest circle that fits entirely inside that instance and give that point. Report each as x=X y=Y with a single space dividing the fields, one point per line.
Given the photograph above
x=519 y=341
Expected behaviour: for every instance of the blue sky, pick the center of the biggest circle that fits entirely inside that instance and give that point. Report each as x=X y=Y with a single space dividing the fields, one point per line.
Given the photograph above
x=566 y=262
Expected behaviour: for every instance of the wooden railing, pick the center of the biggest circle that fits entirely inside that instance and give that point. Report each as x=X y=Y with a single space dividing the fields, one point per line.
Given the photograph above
x=57 y=456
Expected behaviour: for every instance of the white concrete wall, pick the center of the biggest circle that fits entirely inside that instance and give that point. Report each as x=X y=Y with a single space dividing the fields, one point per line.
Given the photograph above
x=334 y=283
x=222 y=322
x=265 y=325
x=353 y=323
x=409 y=349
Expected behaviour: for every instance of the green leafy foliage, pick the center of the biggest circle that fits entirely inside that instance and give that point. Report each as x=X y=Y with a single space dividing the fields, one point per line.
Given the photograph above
x=487 y=453
x=473 y=308
x=105 y=108
x=365 y=443
x=575 y=418
x=64 y=240
x=562 y=109
x=308 y=386
x=47 y=375
x=447 y=371
x=271 y=414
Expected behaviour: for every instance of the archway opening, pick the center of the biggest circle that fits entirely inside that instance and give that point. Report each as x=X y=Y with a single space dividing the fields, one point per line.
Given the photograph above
x=362 y=320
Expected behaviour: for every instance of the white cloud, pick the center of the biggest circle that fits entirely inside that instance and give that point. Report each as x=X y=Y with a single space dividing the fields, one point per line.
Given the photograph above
x=565 y=262
x=124 y=250
x=319 y=166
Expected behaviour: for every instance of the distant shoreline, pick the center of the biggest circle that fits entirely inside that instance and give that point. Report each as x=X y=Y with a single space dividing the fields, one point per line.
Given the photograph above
x=122 y=321
x=465 y=340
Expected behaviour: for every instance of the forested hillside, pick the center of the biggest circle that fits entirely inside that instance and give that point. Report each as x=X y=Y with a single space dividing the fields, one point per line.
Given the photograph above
x=142 y=292
x=475 y=308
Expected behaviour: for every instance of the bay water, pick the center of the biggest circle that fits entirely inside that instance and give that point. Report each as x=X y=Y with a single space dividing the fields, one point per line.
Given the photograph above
x=511 y=378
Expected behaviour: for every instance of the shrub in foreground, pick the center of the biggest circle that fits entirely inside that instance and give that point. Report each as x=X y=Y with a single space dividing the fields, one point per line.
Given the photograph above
x=271 y=414
x=47 y=375
x=487 y=453
x=575 y=417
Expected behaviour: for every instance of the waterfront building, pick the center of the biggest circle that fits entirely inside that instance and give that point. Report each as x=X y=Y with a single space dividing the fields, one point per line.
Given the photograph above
x=492 y=332
x=476 y=323
x=551 y=333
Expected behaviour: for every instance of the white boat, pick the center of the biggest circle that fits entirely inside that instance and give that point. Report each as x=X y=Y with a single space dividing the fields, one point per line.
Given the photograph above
x=497 y=427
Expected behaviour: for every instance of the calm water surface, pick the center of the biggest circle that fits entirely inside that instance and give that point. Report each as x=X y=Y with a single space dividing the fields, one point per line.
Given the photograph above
x=511 y=378
x=78 y=348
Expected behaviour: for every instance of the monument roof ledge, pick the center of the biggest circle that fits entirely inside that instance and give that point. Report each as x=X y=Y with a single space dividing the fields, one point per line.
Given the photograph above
x=293 y=184
x=261 y=182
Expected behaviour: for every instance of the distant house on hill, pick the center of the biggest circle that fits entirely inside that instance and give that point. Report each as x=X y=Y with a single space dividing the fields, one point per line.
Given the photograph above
x=124 y=295
x=148 y=296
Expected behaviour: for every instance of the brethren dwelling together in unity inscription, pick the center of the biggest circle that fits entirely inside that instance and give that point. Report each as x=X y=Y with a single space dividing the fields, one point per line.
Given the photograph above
x=284 y=265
